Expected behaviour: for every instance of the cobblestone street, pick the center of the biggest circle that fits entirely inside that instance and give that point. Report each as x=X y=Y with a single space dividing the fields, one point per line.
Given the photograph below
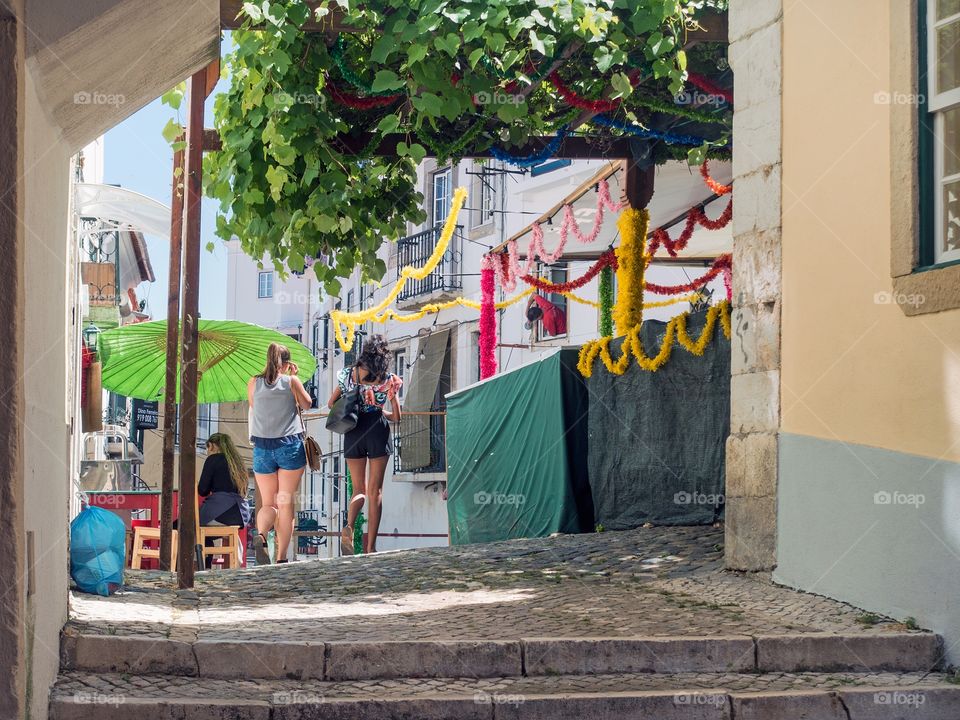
x=656 y=581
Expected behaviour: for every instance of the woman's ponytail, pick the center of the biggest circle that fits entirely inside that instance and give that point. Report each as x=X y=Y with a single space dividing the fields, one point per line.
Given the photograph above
x=277 y=356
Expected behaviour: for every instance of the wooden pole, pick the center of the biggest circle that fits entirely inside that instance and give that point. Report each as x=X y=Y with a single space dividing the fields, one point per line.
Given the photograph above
x=173 y=352
x=638 y=183
x=189 y=347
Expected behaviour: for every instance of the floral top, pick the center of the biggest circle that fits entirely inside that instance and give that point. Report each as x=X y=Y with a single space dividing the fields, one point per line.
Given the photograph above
x=373 y=397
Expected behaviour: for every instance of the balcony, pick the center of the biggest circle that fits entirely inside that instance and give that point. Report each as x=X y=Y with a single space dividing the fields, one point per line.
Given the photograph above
x=419 y=442
x=415 y=249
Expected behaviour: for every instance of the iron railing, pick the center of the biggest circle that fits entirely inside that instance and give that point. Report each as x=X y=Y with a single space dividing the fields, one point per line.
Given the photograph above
x=423 y=434
x=415 y=249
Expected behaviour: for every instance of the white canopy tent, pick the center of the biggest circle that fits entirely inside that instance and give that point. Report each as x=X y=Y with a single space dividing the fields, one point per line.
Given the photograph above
x=125 y=208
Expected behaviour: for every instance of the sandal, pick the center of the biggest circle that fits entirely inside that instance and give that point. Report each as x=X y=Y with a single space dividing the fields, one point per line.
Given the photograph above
x=260 y=549
x=346 y=541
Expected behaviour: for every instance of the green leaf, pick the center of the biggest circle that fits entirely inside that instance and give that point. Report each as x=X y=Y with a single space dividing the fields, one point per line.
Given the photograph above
x=417 y=152
x=471 y=31
x=416 y=53
x=475 y=56
x=536 y=43
x=210 y=247
x=622 y=87
x=253 y=12
x=383 y=49
x=386 y=80
x=171 y=131
x=388 y=124
x=276 y=176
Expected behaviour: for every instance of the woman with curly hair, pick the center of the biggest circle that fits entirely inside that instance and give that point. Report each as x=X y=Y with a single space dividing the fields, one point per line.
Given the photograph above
x=369 y=444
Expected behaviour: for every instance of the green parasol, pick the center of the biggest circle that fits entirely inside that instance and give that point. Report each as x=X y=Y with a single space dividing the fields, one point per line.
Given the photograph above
x=134 y=359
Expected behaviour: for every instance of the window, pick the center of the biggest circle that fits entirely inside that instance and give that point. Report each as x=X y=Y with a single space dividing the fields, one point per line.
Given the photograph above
x=265 y=285
x=475 y=356
x=484 y=191
x=442 y=195
x=555 y=274
x=400 y=368
x=350 y=307
x=941 y=242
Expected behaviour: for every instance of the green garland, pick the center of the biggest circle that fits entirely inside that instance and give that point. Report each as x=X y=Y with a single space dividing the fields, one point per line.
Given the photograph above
x=336 y=52
x=668 y=108
x=444 y=151
x=605 y=293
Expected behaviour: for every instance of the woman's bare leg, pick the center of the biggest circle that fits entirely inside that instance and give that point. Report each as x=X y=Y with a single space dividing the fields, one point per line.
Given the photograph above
x=267 y=514
x=289 y=482
x=378 y=468
x=358 y=475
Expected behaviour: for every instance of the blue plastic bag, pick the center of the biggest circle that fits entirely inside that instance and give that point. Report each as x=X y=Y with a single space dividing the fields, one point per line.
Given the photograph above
x=98 y=545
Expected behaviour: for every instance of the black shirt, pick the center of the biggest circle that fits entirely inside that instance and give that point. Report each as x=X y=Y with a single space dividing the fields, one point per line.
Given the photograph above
x=215 y=476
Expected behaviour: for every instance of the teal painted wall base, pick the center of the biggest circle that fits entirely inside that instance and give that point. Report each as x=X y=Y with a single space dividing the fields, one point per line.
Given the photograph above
x=875 y=528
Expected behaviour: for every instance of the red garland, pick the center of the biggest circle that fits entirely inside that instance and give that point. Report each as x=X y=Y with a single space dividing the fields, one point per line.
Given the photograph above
x=719 y=265
x=608 y=258
x=710 y=87
x=717 y=188
x=357 y=102
x=571 y=97
x=488 y=323
x=695 y=217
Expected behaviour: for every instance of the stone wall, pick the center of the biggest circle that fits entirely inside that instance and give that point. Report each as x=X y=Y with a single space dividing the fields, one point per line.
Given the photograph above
x=751 y=484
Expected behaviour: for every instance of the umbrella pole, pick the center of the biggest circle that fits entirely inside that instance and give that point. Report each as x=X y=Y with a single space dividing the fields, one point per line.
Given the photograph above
x=170 y=383
x=199 y=88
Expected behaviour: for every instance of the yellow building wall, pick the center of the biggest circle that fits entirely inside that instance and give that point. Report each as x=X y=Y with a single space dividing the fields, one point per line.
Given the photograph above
x=854 y=367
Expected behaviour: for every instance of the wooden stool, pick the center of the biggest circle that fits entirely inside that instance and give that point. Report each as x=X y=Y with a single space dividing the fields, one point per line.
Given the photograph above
x=230 y=547
x=139 y=551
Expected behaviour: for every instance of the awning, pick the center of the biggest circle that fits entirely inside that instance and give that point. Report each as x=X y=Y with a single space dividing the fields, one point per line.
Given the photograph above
x=125 y=208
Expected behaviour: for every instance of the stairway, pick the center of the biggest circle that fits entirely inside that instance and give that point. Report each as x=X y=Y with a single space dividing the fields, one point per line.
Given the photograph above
x=800 y=676
x=626 y=625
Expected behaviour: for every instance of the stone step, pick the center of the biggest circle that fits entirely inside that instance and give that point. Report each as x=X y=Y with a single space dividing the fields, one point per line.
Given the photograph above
x=341 y=661
x=686 y=696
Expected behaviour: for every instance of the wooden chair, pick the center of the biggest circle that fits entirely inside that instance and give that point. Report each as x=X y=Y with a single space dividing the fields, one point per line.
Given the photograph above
x=140 y=551
x=230 y=543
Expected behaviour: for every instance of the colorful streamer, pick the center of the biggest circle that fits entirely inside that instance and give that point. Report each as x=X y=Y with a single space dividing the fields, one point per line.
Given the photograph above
x=525 y=161
x=488 y=323
x=667 y=137
x=605 y=293
x=696 y=216
x=631 y=266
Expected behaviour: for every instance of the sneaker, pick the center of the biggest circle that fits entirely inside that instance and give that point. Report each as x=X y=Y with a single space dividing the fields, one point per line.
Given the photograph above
x=260 y=548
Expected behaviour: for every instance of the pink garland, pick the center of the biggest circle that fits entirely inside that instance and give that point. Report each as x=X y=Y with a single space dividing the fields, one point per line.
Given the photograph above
x=508 y=272
x=488 y=320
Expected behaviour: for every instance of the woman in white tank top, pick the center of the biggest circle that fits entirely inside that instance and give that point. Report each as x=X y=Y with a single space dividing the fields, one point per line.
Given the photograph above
x=276 y=434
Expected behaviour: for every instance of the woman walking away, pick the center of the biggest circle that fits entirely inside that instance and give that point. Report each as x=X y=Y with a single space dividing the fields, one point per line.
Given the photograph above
x=369 y=443
x=223 y=482
x=276 y=432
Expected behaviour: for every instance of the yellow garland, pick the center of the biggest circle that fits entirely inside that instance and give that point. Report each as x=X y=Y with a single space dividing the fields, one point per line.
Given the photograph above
x=631 y=265
x=676 y=328
x=350 y=320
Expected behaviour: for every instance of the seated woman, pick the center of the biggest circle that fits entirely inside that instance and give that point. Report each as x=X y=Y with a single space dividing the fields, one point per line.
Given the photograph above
x=223 y=482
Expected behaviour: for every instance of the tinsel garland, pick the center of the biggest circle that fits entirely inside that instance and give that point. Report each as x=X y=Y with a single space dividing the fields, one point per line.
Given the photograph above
x=638 y=131
x=631 y=266
x=605 y=295
x=525 y=161
x=722 y=263
x=357 y=102
x=717 y=188
x=572 y=98
x=608 y=258
x=488 y=322
x=671 y=108
x=444 y=151
x=569 y=223
x=709 y=87
x=336 y=52
x=632 y=345
x=350 y=320
x=696 y=216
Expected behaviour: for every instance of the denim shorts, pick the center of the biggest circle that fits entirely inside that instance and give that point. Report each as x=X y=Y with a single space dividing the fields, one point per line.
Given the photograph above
x=289 y=456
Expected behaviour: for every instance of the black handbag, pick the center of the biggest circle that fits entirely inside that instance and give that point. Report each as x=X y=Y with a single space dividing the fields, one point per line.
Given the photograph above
x=345 y=412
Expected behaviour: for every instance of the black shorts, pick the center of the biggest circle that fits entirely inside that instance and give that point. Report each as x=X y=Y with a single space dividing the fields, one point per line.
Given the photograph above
x=370 y=438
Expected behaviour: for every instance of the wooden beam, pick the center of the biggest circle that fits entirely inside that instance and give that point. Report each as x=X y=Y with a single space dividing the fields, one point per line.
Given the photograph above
x=190 y=340
x=637 y=184
x=173 y=353
x=572 y=146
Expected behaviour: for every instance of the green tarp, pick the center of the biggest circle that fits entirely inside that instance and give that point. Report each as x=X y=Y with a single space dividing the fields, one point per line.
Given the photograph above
x=516 y=454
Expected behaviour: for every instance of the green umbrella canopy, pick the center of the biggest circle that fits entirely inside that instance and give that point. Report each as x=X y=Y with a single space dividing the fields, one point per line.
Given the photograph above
x=134 y=357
